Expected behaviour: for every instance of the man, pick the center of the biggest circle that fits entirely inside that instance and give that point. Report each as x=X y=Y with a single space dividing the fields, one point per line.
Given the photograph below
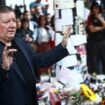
x=38 y=12
x=18 y=64
x=34 y=4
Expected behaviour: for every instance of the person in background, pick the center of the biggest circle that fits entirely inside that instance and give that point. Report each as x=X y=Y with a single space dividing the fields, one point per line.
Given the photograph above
x=17 y=11
x=43 y=37
x=27 y=34
x=42 y=41
x=18 y=63
x=51 y=29
x=96 y=40
x=38 y=12
x=18 y=26
x=45 y=9
x=34 y=4
x=32 y=24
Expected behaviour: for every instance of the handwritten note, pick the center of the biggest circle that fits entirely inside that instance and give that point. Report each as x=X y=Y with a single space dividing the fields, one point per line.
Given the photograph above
x=70 y=77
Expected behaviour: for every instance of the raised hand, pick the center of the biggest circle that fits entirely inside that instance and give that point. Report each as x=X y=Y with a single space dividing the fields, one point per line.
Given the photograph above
x=66 y=36
x=7 y=57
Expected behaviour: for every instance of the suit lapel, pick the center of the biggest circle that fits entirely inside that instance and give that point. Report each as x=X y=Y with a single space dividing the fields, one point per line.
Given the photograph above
x=23 y=49
x=16 y=69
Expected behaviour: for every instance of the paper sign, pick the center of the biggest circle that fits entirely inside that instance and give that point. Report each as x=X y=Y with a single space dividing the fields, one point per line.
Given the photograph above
x=58 y=25
x=78 y=39
x=67 y=17
x=63 y=4
x=80 y=8
x=70 y=77
x=69 y=61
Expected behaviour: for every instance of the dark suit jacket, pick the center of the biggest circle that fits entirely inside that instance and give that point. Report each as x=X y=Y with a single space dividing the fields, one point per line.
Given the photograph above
x=13 y=90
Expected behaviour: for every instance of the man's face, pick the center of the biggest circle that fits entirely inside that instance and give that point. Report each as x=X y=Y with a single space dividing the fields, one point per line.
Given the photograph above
x=7 y=26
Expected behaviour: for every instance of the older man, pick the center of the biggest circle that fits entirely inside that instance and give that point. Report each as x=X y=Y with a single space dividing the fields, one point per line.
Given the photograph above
x=18 y=63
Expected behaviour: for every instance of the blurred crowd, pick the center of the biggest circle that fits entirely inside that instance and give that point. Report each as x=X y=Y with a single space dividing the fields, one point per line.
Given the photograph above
x=36 y=27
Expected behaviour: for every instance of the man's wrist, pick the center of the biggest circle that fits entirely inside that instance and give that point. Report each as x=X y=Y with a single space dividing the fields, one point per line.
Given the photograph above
x=63 y=45
x=65 y=41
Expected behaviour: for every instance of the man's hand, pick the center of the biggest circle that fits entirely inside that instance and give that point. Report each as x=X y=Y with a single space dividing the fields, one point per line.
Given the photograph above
x=7 y=57
x=66 y=36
